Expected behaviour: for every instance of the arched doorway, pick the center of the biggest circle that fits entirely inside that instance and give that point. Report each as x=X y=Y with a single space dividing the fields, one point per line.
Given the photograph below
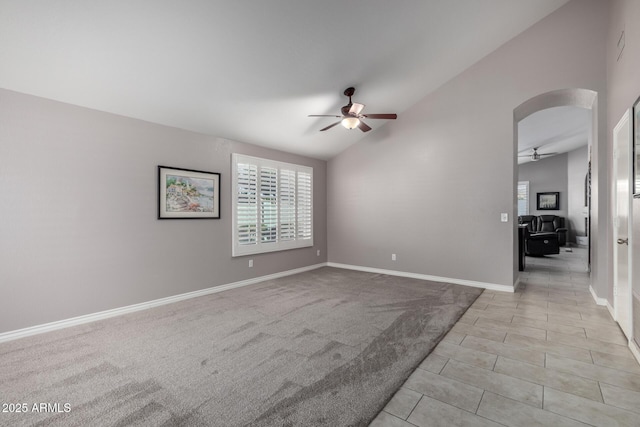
x=582 y=98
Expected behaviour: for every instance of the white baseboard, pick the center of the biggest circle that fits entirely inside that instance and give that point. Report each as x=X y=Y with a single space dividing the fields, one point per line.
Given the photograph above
x=612 y=312
x=604 y=302
x=47 y=327
x=490 y=286
x=66 y=323
x=597 y=299
x=516 y=284
x=634 y=349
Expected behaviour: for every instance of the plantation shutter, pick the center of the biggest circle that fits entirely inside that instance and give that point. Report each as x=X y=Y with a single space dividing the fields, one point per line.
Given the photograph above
x=272 y=205
x=247 y=204
x=287 y=205
x=304 y=206
x=268 y=204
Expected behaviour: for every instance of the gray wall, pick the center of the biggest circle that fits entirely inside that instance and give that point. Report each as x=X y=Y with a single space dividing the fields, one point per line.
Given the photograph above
x=78 y=225
x=623 y=90
x=577 y=167
x=78 y=228
x=430 y=186
x=549 y=174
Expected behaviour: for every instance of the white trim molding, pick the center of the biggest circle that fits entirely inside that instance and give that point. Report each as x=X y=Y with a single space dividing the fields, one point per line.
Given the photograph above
x=597 y=299
x=88 y=318
x=516 y=284
x=603 y=302
x=634 y=350
x=612 y=312
x=472 y=283
x=66 y=323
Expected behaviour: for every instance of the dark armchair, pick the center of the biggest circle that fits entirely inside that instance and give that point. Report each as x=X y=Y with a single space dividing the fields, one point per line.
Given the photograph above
x=555 y=224
x=544 y=234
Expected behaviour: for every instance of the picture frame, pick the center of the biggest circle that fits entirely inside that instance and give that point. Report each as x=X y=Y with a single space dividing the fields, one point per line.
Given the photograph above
x=636 y=147
x=548 y=201
x=188 y=194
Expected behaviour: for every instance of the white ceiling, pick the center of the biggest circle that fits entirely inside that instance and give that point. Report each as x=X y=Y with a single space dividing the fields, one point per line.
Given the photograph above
x=554 y=130
x=251 y=71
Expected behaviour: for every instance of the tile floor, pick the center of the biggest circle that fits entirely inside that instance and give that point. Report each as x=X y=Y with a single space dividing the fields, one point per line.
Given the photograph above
x=546 y=355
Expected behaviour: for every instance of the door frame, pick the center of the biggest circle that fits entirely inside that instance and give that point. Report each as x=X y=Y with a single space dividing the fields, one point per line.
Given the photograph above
x=622 y=299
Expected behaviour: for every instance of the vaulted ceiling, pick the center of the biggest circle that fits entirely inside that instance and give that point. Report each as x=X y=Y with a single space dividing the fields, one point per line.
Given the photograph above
x=251 y=71
x=555 y=130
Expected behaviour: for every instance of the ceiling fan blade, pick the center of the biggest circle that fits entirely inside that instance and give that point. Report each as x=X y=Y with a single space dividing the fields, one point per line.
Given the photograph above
x=356 y=108
x=323 y=115
x=381 y=116
x=363 y=126
x=330 y=126
x=547 y=154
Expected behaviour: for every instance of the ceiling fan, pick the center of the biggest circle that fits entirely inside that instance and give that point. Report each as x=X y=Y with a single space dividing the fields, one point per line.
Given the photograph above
x=535 y=156
x=351 y=117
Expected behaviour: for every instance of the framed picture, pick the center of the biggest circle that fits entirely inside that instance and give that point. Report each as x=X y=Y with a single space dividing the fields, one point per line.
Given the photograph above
x=636 y=148
x=549 y=201
x=188 y=194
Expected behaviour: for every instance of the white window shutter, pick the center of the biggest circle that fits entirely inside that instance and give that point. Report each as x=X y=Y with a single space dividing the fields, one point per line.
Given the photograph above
x=268 y=204
x=247 y=204
x=287 y=199
x=304 y=206
x=272 y=205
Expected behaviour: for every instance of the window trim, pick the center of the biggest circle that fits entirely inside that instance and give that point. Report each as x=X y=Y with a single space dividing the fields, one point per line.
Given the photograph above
x=279 y=245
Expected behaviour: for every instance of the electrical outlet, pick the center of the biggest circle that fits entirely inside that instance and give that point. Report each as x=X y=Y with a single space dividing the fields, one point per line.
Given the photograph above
x=250 y=263
x=393 y=257
x=318 y=252
x=504 y=217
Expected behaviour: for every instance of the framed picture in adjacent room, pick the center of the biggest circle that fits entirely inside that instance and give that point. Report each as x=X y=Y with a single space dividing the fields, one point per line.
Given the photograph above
x=549 y=201
x=188 y=194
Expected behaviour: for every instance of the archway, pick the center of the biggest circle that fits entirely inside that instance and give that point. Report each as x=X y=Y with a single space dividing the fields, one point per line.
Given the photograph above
x=582 y=98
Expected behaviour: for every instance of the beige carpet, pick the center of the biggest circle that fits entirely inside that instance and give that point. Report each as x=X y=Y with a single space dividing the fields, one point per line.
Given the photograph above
x=326 y=347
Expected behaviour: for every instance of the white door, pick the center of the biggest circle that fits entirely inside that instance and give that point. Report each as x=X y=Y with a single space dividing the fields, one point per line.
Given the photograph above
x=621 y=207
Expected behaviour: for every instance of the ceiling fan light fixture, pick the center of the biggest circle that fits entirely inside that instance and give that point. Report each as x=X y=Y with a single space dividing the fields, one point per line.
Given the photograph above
x=350 y=117
x=350 y=122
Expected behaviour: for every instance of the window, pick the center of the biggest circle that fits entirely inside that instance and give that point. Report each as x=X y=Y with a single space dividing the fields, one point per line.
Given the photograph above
x=523 y=198
x=272 y=205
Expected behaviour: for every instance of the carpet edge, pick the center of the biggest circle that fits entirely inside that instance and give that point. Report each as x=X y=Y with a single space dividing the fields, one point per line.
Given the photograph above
x=463 y=282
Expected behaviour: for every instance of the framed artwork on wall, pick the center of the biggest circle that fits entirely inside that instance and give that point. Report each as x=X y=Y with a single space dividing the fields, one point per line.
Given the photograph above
x=188 y=194
x=549 y=201
x=636 y=148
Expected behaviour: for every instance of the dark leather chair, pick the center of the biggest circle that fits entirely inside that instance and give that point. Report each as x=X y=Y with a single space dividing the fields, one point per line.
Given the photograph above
x=555 y=224
x=544 y=234
x=540 y=244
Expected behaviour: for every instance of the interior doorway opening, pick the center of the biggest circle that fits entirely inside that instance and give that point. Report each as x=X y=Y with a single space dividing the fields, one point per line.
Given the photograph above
x=550 y=129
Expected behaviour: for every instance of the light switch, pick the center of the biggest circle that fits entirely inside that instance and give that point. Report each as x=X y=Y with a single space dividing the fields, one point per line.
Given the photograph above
x=504 y=217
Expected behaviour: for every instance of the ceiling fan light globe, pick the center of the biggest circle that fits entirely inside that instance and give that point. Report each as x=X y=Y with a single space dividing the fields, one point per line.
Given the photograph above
x=350 y=122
